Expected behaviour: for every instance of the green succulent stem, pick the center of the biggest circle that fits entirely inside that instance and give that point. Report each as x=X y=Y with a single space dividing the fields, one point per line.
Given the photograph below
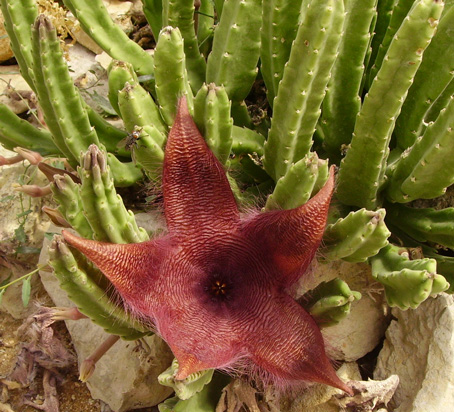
x=153 y=13
x=123 y=174
x=424 y=225
x=19 y=17
x=427 y=87
x=137 y=108
x=170 y=73
x=15 y=131
x=108 y=135
x=180 y=13
x=99 y=26
x=279 y=28
x=425 y=169
x=67 y=193
x=356 y=237
x=399 y=12
x=232 y=62
x=64 y=111
x=103 y=208
x=362 y=171
x=300 y=183
x=189 y=386
x=408 y=282
x=120 y=73
x=296 y=107
x=343 y=102
x=205 y=26
x=212 y=116
x=148 y=152
x=245 y=140
x=384 y=14
x=330 y=302
x=91 y=299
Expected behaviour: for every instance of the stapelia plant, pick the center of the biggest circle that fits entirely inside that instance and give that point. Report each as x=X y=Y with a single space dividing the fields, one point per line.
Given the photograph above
x=215 y=288
x=365 y=85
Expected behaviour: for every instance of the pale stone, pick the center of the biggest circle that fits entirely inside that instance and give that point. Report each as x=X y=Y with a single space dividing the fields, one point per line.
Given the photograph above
x=361 y=331
x=419 y=348
x=89 y=76
x=368 y=395
x=80 y=61
x=322 y=398
x=104 y=60
x=317 y=397
x=126 y=376
x=5 y=50
x=239 y=395
x=35 y=226
x=14 y=82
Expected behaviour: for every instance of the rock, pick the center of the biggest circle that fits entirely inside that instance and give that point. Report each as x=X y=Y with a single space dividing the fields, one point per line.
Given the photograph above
x=80 y=61
x=317 y=397
x=21 y=225
x=126 y=376
x=419 y=348
x=90 y=77
x=5 y=50
x=240 y=395
x=361 y=331
x=104 y=60
x=13 y=84
x=368 y=395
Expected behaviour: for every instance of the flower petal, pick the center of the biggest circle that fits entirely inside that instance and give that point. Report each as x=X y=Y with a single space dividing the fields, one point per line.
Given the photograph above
x=287 y=345
x=290 y=238
x=198 y=201
x=132 y=268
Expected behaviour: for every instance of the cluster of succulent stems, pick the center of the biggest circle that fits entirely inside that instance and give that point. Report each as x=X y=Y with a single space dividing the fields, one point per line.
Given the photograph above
x=346 y=84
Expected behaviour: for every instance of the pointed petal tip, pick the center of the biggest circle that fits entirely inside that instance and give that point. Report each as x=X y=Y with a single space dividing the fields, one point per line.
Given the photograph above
x=80 y=243
x=188 y=364
x=325 y=193
x=70 y=238
x=344 y=387
x=182 y=110
x=331 y=378
x=183 y=373
x=182 y=105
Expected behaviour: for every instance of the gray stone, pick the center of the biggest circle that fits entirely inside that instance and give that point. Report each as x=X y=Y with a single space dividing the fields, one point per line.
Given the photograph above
x=35 y=224
x=14 y=82
x=419 y=348
x=126 y=376
x=368 y=395
x=317 y=397
x=5 y=50
x=361 y=331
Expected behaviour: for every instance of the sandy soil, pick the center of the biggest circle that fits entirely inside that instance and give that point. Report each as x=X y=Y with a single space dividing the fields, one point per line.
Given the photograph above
x=73 y=396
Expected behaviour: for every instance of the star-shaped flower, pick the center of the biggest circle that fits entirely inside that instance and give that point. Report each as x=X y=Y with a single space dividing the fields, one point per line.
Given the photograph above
x=216 y=287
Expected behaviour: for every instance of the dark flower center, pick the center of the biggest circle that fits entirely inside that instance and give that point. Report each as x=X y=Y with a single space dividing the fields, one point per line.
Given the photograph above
x=218 y=288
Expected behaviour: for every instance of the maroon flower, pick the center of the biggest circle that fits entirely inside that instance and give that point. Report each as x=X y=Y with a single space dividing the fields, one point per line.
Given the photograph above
x=216 y=287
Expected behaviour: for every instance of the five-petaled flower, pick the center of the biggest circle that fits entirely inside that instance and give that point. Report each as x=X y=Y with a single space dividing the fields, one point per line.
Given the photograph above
x=217 y=286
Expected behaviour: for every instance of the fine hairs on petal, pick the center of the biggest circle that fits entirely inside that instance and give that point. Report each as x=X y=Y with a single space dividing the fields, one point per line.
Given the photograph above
x=216 y=285
x=260 y=379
